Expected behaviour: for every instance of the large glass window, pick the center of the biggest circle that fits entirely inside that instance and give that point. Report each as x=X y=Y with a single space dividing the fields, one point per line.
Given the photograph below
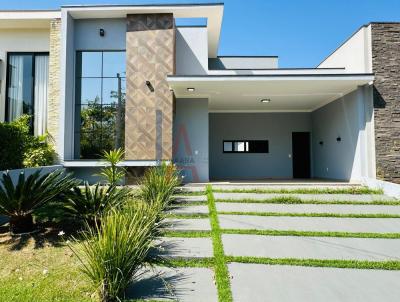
x=100 y=103
x=27 y=86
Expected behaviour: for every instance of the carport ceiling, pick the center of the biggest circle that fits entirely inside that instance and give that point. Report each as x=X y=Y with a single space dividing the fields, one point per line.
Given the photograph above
x=286 y=93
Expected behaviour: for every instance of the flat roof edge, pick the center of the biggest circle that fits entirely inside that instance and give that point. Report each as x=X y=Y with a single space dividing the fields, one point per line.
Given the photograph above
x=141 y=5
x=272 y=75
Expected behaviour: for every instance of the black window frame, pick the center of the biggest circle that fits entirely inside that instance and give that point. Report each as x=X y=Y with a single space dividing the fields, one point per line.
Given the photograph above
x=77 y=77
x=7 y=105
x=233 y=141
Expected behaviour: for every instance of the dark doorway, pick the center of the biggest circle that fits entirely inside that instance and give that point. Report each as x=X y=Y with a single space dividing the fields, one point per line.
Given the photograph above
x=301 y=154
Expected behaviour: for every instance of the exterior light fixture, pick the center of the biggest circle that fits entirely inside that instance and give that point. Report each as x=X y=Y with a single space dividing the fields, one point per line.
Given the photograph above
x=102 y=32
x=265 y=101
x=150 y=86
x=190 y=89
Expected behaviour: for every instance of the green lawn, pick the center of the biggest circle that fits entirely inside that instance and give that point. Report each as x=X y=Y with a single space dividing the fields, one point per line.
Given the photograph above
x=35 y=269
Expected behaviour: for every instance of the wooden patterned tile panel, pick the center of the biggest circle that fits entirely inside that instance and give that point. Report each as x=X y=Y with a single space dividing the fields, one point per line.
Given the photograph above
x=150 y=51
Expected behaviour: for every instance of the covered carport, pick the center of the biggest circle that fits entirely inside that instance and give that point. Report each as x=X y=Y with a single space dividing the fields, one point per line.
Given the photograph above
x=274 y=126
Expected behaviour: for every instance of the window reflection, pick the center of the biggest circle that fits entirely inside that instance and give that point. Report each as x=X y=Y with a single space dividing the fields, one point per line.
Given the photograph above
x=100 y=102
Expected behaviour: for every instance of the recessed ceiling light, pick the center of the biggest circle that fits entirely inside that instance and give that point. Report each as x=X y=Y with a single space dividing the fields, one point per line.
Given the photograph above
x=190 y=89
x=265 y=101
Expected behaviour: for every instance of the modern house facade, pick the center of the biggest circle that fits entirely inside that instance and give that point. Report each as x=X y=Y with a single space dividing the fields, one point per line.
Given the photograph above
x=102 y=77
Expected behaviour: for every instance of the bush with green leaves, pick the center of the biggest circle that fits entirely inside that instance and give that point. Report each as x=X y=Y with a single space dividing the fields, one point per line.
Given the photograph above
x=90 y=203
x=11 y=147
x=113 y=173
x=20 y=200
x=22 y=148
x=115 y=251
x=159 y=184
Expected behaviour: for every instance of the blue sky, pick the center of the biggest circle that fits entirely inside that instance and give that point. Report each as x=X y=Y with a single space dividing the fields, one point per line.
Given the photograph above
x=300 y=32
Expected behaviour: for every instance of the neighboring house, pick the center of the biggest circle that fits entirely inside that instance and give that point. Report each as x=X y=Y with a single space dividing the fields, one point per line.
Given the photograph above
x=101 y=77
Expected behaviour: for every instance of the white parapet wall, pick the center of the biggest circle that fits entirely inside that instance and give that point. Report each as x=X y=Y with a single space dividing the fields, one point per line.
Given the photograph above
x=389 y=188
x=29 y=171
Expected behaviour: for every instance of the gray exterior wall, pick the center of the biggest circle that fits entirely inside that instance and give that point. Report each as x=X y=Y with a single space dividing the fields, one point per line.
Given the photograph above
x=190 y=140
x=87 y=35
x=349 y=118
x=386 y=67
x=277 y=128
x=222 y=63
x=191 y=50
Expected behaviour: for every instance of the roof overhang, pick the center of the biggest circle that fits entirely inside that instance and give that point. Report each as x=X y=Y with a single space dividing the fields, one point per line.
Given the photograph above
x=27 y=19
x=286 y=92
x=213 y=12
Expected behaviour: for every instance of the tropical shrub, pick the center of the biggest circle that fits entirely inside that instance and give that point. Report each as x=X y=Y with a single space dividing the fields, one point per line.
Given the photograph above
x=159 y=184
x=19 y=201
x=22 y=148
x=92 y=202
x=113 y=174
x=114 y=252
x=38 y=151
x=11 y=146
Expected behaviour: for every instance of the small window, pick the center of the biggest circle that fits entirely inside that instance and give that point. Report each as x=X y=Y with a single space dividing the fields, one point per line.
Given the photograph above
x=246 y=146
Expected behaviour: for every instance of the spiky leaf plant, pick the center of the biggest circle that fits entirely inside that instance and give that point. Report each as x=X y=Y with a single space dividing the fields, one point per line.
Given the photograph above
x=113 y=173
x=159 y=184
x=19 y=200
x=115 y=251
x=90 y=203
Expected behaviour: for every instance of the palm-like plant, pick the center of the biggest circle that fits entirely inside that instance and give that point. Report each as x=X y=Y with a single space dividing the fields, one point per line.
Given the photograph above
x=92 y=202
x=113 y=252
x=113 y=174
x=19 y=201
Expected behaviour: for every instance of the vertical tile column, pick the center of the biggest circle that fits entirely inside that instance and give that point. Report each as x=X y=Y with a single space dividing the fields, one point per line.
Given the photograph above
x=386 y=67
x=53 y=114
x=150 y=56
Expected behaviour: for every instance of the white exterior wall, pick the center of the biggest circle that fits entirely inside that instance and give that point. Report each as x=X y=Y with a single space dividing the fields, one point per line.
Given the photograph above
x=19 y=40
x=190 y=151
x=351 y=119
x=87 y=35
x=277 y=128
x=191 y=50
x=355 y=54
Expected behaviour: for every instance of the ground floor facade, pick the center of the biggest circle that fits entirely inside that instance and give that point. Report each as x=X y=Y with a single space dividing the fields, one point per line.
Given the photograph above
x=335 y=141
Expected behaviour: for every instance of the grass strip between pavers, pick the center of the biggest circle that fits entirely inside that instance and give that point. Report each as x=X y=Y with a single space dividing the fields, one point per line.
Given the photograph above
x=190 y=193
x=351 y=190
x=295 y=200
x=310 y=233
x=311 y=214
x=221 y=269
x=189 y=203
x=355 y=264
x=187 y=215
x=193 y=262
x=187 y=234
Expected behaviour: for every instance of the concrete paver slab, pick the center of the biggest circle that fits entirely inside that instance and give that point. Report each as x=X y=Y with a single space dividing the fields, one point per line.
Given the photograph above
x=189 y=210
x=322 y=224
x=175 y=284
x=185 y=247
x=307 y=208
x=280 y=283
x=306 y=197
x=188 y=224
x=373 y=249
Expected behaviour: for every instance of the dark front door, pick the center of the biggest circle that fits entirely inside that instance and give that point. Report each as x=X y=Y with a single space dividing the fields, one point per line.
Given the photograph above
x=301 y=154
